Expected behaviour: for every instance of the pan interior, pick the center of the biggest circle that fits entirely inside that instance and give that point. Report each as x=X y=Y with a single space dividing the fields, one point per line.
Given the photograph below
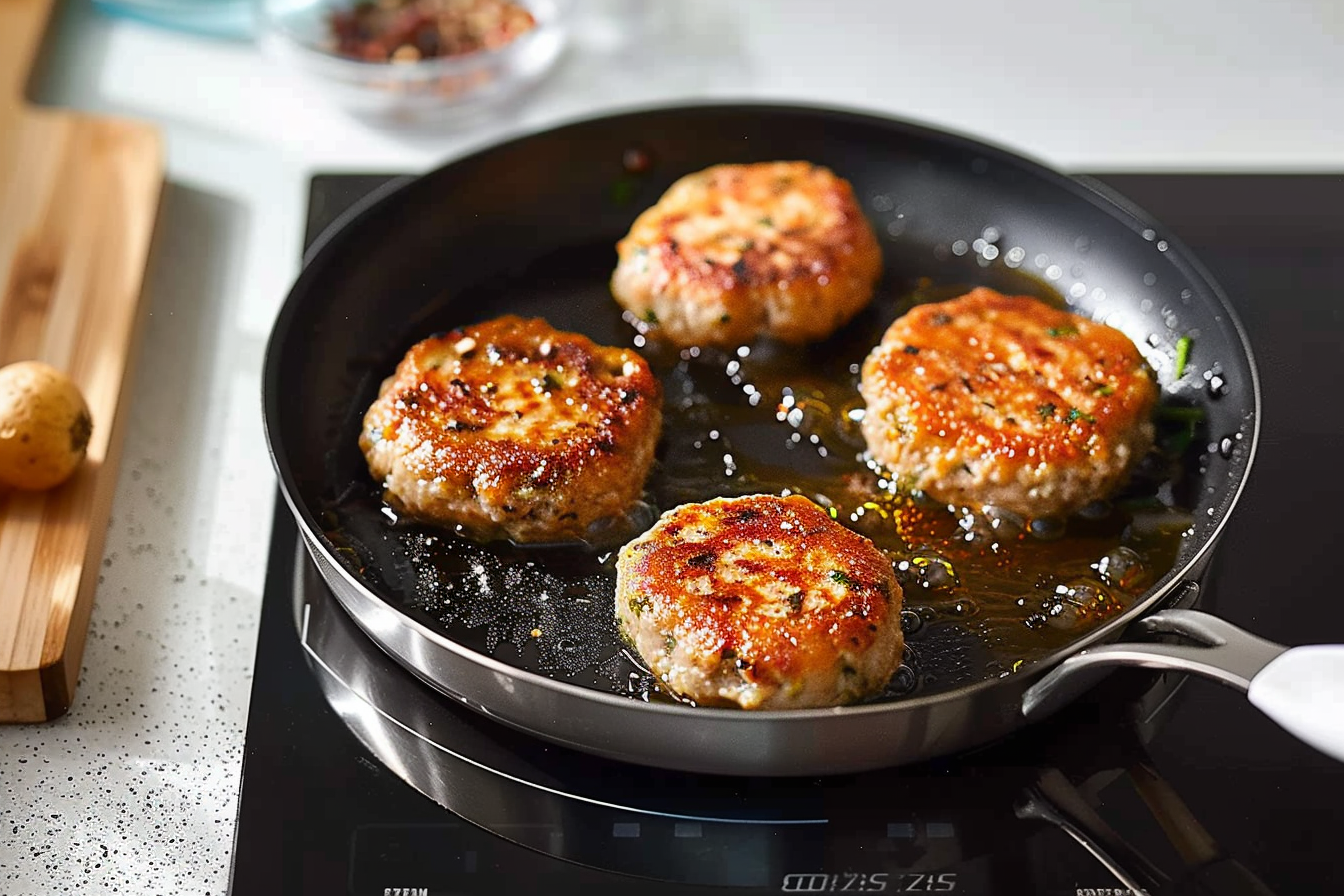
x=451 y=250
x=981 y=598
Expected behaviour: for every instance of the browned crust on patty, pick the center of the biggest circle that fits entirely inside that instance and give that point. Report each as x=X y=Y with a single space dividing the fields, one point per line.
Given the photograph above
x=1005 y=400
x=512 y=428
x=764 y=602
x=739 y=251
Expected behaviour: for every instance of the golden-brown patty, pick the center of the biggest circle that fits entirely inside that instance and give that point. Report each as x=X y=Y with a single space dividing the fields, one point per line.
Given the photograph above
x=738 y=251
x=511 y=428
x=762 y=602
x=1003 y=400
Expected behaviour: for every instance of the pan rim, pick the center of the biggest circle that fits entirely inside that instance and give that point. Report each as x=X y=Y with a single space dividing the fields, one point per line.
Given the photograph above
x=1109 y=202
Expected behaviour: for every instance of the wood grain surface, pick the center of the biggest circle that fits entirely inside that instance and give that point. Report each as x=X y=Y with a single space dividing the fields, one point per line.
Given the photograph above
x=78 y=197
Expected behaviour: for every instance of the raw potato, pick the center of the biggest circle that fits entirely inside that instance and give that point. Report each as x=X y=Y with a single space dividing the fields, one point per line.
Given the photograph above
x=44 y=426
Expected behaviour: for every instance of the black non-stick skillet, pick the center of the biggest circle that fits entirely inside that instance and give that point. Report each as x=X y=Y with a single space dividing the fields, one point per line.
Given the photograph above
x=528 y=227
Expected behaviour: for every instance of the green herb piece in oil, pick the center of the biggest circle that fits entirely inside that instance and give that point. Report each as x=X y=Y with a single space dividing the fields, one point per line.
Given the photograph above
x=1182 y=354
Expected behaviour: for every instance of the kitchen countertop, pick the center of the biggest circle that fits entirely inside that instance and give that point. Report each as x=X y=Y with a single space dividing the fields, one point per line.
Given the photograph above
x=135 y=790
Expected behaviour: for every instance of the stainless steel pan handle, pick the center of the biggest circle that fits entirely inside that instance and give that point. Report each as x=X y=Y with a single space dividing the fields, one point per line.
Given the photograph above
x=1300 y=688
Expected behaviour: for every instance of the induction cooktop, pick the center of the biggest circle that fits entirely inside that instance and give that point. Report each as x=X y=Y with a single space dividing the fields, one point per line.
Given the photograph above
x=358 y=779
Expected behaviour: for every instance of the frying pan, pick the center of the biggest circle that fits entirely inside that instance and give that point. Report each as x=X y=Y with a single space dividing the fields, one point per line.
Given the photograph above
x=465 y=243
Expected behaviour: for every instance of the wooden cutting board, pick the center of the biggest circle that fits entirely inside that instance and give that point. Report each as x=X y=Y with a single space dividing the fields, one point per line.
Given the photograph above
x=78 y=196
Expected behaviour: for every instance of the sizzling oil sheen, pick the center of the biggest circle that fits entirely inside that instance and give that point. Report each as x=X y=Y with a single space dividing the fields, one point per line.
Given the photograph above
x=980 y=598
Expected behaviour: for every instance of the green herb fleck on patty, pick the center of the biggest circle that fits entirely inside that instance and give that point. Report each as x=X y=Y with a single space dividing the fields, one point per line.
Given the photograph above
x=840 y=577
x=1075 y=414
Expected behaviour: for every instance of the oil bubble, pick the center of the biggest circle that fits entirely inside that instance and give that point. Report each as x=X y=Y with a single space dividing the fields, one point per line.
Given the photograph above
x=934 y=572
x=1063 y=616
x=902 y=683
x=1119 y=567
x=1096 y=510
x=1003 y=523
x=963 y=607
x=1048 y=528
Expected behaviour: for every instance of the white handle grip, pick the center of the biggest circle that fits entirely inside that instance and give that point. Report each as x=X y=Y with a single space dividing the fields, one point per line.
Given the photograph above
x=1303 y=690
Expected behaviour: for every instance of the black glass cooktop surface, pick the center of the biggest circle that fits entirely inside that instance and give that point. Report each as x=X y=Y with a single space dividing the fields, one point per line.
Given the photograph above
x=1159 y=784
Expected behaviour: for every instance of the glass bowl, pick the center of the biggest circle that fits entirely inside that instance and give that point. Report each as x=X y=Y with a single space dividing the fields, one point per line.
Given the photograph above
x=299 y=32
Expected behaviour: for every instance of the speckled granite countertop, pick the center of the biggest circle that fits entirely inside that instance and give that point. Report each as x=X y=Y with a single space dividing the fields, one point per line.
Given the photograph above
x=135 y=790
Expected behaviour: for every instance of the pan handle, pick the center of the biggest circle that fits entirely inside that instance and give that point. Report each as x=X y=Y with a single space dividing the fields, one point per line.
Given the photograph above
x=1300 y=688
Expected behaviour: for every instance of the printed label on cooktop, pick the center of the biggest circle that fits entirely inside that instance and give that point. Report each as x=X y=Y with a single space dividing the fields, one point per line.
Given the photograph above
x=875 y=882
x=463 y=860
